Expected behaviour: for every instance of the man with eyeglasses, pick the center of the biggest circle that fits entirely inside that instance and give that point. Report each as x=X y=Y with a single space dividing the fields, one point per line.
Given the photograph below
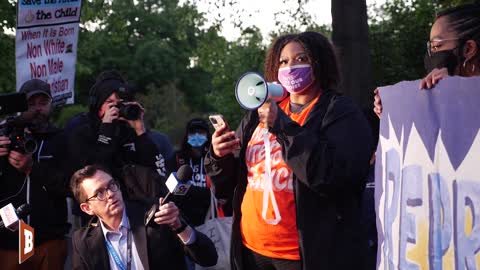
x=36 y=176
x=121 y=239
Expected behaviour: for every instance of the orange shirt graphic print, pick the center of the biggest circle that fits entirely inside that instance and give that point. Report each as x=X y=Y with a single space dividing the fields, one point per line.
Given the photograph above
x=268 y=207
x=255 y=159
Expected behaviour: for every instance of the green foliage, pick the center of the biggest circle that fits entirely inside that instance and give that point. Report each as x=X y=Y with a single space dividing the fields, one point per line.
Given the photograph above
x=226 y=62
x=7 y=46
x=165 y=109
x=181 y=68
x=457 y=2
x=67 y=112
x=399 y=31
x=151 y=43
x=7 y=13
x=398 y=34
x=184 y=69
x=7 y=68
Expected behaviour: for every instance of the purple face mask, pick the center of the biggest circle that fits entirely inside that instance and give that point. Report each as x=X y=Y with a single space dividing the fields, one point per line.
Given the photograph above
x=295 y=79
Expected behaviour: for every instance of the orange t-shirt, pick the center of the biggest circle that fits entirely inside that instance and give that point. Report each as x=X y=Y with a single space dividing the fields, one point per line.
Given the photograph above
x=271 y=239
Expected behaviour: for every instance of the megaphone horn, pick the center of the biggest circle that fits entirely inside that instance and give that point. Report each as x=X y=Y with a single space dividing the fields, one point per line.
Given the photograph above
x=252 y=91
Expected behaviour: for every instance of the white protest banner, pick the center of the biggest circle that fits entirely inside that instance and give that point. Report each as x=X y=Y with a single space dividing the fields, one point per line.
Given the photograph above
x=427 y=179
x=46 y=45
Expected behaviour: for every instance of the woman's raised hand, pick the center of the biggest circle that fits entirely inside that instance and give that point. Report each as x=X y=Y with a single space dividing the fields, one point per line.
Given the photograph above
x=433 y=78
x=224 y=141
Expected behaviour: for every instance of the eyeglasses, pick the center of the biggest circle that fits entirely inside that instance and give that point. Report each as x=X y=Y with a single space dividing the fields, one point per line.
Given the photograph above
x=101 y=195
x=432 y=45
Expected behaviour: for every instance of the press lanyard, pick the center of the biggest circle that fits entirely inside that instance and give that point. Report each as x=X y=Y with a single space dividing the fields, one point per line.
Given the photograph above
x=115 y=256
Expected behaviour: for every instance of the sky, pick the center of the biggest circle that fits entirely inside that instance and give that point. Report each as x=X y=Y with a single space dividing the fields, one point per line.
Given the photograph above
x=263 y=14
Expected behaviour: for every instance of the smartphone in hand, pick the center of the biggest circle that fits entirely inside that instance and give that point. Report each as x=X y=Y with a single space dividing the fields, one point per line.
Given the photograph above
x=218 y=121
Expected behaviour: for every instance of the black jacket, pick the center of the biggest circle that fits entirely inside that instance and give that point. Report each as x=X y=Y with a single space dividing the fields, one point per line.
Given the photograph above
x=329 y=157
x=48 y=189
x=113 y=145
x=196 y=202
x=165 y=163
x=158 y=247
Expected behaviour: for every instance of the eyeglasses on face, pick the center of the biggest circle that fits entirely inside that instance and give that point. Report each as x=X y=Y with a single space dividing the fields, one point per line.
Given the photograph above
x=101 y=194
x=432 y=45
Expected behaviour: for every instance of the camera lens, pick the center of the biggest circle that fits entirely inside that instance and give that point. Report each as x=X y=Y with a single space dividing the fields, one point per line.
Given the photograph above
x=129 y=111
x=214 y=121
x=30 y=146
x=132 y=112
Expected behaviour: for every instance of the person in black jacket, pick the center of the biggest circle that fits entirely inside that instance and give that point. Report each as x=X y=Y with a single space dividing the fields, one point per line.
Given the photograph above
x=192 y=153
x=123 y=232
x=118 y=143
x=300 y=171
x=38 y=179
x=165 y=160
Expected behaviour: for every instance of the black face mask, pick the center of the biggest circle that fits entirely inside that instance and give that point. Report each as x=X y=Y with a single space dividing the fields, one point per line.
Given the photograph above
x=442 y=59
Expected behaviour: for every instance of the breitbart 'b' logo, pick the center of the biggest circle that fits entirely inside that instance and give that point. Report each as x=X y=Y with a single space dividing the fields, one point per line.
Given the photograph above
x=26 y=242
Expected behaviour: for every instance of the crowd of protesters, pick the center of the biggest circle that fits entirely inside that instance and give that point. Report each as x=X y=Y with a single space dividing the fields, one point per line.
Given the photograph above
x=293 y=174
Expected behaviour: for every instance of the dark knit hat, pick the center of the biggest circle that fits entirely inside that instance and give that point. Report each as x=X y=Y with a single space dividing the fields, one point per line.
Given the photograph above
x=197 y=123
x=34 y=87
x=107 y=83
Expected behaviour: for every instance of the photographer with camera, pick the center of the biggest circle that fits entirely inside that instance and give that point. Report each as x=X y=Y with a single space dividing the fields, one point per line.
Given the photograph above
x=113 y=134
x=32 y=156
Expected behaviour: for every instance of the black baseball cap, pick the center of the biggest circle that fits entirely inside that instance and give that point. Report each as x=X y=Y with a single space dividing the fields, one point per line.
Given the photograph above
x=34 y=87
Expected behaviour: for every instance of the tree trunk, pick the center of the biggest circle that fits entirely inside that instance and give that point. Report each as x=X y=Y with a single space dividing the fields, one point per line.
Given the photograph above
x=350 y=37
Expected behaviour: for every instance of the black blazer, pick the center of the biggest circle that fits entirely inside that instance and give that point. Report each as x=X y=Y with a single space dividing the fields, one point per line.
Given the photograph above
x=158 y=247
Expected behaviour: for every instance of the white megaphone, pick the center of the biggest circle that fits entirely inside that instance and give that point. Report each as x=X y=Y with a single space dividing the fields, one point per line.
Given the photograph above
x=252 y=91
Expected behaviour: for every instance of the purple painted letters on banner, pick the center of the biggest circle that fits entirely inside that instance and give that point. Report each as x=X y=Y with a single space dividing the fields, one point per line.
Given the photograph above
x=428 y=176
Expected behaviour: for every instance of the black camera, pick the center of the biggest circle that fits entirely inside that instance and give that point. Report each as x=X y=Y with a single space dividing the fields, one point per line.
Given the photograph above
x=20 y=141
x=14 y=127
x=130 y=111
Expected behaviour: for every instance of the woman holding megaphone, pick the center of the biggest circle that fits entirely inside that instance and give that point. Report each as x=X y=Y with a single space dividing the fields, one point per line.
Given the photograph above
x=299 y=172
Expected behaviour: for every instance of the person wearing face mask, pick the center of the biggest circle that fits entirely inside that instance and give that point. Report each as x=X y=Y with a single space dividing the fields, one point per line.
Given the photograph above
x=195 y=204
x=36 y=176
x=194 y=147
x=453 y=48
x=299 y=173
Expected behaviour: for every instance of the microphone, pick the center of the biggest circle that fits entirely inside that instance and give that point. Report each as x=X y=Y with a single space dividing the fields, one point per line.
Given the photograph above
x=10 y=216
x=177 y=184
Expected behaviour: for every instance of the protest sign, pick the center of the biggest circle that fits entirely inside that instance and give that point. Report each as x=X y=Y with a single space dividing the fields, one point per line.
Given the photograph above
x=428 y=176
x=46 y=45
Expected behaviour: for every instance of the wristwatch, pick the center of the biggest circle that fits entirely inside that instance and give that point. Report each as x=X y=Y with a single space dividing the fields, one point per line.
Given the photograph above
x=182 y=227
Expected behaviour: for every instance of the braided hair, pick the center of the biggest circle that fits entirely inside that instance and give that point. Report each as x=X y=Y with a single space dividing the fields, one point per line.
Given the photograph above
x=465 y=21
